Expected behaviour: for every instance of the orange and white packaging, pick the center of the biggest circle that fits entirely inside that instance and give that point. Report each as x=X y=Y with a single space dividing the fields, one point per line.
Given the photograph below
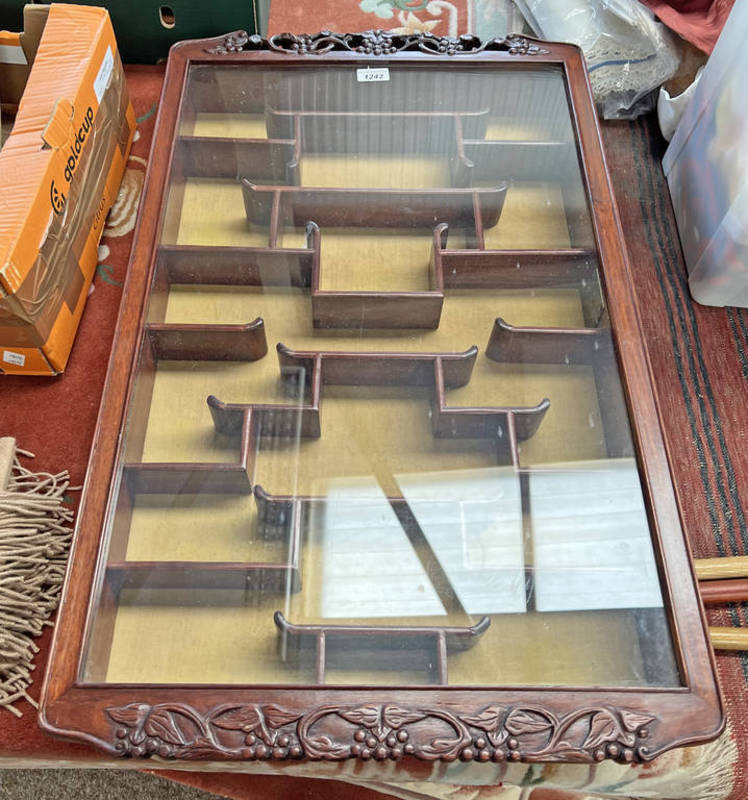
x=60 y=171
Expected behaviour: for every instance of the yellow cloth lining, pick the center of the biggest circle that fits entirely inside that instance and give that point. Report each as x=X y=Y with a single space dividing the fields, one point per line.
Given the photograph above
x=230 y=637
x=252 y=126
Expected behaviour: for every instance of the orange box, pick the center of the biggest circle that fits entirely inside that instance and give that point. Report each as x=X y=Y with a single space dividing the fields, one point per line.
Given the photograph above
x=60 y=171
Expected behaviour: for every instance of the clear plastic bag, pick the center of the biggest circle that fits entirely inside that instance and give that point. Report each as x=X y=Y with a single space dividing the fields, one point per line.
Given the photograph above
x=628 y=53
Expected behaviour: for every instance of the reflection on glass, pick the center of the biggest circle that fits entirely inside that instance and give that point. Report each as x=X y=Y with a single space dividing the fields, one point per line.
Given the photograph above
x=472 y=521
x=591 y=543
x=369 y=567
x=377 y=433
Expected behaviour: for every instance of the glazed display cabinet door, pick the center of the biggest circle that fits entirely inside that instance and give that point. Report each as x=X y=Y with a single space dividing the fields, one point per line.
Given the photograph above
x=379 y=471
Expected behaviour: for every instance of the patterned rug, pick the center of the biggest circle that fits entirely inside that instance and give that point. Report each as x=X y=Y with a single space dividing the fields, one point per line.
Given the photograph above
x=700 y=359
x=440 y=17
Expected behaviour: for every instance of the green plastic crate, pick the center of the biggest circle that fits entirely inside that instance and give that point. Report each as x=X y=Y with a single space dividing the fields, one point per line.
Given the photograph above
x=146 y=29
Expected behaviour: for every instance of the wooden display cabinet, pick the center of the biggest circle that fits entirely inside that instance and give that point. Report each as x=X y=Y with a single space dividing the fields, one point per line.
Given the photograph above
x=379 y=471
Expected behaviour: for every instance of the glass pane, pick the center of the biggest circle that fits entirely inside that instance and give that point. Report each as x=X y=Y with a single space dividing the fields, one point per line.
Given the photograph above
x=378 y=434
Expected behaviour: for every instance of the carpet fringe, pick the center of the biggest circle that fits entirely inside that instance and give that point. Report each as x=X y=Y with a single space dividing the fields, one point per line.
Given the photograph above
x=35 y=535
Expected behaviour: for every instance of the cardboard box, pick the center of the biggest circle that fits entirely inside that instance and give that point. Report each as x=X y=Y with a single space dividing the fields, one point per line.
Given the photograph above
x=17 y=54
x=60 y=171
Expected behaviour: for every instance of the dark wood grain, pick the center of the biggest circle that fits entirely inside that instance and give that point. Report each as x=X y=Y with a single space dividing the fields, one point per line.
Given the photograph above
x=196 y=575
x=733 y=590
x=225 y=157
x=193 y=342
x=374 y=208
x=394 y=647
x=592 y=347
x=548 y=345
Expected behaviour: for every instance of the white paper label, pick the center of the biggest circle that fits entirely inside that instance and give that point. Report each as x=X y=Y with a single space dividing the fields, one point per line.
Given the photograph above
x=105 y=73
x=371 y=74
x=12 y=54
x=14 y=358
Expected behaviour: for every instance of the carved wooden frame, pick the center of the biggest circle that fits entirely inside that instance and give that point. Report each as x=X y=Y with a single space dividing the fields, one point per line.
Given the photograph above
x=322 y=722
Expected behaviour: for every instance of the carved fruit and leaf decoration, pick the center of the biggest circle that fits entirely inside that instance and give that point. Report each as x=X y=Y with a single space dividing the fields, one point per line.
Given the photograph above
x=378 y=731
x=375 y=43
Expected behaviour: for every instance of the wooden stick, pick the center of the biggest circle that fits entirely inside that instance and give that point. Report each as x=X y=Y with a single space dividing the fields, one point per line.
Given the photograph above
x=7 y=455
x=718 y=584
x=708 y=569
x=729 y=638
x=732 y=590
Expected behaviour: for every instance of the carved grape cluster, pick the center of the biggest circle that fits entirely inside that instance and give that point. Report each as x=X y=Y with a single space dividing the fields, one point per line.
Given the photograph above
x=375 y=43
x=143 y=746
x=237 y=43
x=302 y=44
x=280 y=748
x=381 y=733
x=394 y=745
x=451 y=47
x=519 y=46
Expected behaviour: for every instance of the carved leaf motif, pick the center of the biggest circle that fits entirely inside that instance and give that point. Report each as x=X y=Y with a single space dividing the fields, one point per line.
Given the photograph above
x=161 y=724
x=242 y=718
x=498 y=737
x=131 y=715
x=396 y=717
x=488 y=720
x=603 y=729
x=277 y=717
x=439 y=748
x=566 y=752
x=627 y=739
x=633 y=721
x=368 y=716
x=202 y=748
x=522 y=722
x=138 y=736
x=325 y=747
